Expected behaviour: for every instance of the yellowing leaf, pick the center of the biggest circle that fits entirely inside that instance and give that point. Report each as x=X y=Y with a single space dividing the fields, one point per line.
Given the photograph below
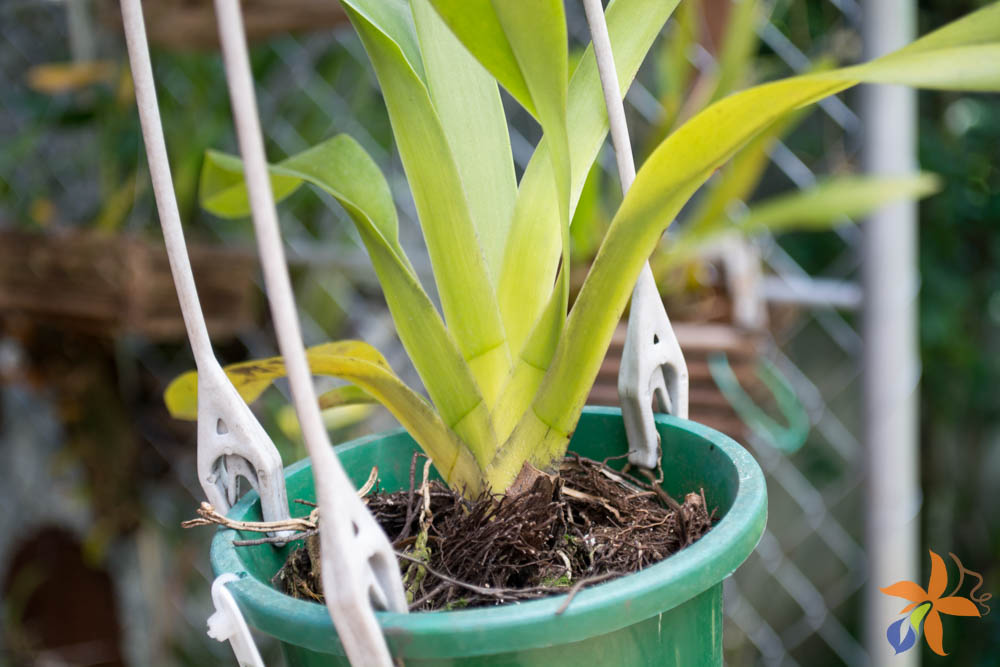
x=342 y=168
x=335 y=418
x=830 y=201
x=362 y=365
x=967 y=59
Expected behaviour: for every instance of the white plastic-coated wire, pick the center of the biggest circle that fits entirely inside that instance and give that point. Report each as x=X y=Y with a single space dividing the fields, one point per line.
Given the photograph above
x=163 y=184
x=265 y=219
x=652 y=361
x=231 y=442
x=228 y=625
x=358 y=564
x=612 y=97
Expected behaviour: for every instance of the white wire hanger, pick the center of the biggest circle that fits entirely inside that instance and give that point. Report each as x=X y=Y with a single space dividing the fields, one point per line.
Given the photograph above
x=358 y=565
x=652 y=361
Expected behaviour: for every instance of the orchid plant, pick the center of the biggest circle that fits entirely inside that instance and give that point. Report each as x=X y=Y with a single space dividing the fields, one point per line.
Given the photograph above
x=726 y=207
x=506 y=363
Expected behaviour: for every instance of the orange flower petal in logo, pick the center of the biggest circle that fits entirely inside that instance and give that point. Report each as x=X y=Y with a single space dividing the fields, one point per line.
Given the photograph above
x=952 y=605
x=956 y=606
x=939 y=577
x=933 y=632
x=907 y=590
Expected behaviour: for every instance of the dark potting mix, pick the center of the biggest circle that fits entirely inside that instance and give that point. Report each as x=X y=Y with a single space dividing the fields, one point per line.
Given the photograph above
x=588 y=524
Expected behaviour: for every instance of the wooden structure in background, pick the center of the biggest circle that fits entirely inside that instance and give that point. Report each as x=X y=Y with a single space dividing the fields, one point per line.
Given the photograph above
x=190 y=24
x=113 y=284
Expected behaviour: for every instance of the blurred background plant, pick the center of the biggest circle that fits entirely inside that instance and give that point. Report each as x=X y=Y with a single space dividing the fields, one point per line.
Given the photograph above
x=94 y=478
x=960 y=339
x=711 y=49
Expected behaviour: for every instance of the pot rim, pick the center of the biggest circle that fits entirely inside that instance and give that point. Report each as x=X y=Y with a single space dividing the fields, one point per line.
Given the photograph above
x=633 y=598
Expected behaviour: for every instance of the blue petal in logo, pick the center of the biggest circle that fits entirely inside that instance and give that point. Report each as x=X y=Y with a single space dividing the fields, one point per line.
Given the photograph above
x=907 y=641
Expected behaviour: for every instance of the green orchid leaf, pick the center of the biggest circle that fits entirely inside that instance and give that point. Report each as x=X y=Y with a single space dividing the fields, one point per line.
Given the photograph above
x=537 y=33
x=342 y=168
x=363 y=365
x=962 y=57
x=477 y=25
x=534 y=316
x=468 y=103
x=590 y=220
x=522 y=292
x=347 y=395
x=829 y=202
x=460 y=269
x=221 y=190
x=520 y=388
x=825 y=205
x=737 y=180
x=523 y=44
x=483 y=27
x=394 y=19
x=338 y=166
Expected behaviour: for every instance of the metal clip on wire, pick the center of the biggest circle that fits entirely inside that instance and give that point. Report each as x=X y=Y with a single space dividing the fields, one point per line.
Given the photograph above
x=652 y=362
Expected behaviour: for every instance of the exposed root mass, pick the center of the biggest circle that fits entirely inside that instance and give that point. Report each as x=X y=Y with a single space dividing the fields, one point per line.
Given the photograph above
x=589 y=524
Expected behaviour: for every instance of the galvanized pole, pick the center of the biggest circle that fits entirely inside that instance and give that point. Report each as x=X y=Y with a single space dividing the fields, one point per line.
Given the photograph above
x=891 y=358
x=81 y=30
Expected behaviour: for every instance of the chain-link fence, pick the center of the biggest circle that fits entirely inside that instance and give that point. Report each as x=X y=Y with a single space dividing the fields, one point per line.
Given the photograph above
x=797 y=599
x=72 y=157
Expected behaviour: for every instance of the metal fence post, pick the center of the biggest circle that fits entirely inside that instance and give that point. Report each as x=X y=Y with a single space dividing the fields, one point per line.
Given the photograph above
x=891 y=357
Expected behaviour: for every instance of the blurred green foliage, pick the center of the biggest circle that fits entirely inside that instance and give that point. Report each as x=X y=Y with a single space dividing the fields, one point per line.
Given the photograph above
x=959 y=236
x=960 y=343
x=99 y=118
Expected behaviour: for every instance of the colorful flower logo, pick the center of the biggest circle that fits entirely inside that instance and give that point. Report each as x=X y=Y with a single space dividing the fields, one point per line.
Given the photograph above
x=926 y=606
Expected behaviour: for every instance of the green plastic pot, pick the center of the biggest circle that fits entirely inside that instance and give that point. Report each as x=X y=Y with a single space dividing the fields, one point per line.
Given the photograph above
x=668 y=614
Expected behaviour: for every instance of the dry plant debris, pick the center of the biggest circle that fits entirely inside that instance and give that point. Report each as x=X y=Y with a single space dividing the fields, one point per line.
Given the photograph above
x=588 y=524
